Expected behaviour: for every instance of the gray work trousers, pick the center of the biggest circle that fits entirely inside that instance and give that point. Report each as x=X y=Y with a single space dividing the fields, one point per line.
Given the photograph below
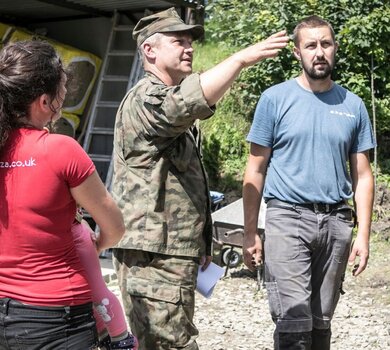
x=306 y=253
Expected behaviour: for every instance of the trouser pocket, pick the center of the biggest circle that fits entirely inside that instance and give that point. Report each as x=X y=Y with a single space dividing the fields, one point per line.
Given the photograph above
x=29 y=327
x=161 y=314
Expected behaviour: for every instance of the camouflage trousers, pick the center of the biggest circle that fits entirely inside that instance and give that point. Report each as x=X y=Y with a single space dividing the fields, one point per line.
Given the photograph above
x=158 y=293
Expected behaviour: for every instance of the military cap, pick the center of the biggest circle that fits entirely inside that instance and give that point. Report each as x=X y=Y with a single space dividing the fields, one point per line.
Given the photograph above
x=164 y=22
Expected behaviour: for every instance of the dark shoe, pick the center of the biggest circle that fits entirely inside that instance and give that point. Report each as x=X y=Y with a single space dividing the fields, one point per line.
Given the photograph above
x=129 y=343
x=105 y=343
x=321 y=339
x=293 y=341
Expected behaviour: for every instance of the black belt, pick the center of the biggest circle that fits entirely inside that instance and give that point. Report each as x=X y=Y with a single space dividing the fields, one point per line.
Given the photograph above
x=315 y=207
x=9 y=306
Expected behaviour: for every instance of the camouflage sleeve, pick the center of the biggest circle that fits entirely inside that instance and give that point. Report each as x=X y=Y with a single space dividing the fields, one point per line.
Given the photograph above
x=194 y=99
x=173 y=109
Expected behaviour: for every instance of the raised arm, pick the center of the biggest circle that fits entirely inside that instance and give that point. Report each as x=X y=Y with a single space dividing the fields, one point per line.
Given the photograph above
x=252 y=193
x=363 y=187
x=93 y=197
x=218 y=79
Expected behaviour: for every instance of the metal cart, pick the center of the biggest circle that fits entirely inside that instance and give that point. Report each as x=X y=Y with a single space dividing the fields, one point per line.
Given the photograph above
x=228 y=231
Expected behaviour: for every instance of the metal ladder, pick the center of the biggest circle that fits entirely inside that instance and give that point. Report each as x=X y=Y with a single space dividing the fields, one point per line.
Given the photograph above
x=136 y=74
x=113 y=83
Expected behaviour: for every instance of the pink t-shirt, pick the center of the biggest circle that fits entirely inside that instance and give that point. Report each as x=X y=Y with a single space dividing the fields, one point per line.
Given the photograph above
x=38 y=261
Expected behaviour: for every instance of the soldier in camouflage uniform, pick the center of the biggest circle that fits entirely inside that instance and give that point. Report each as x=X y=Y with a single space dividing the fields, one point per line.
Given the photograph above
x=159 y=180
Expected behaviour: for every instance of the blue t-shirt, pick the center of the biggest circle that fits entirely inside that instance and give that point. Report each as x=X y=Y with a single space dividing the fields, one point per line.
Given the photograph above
x=311 y=136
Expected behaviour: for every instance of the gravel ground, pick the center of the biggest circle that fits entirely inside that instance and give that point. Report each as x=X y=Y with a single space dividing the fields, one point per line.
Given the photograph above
x=236 y=316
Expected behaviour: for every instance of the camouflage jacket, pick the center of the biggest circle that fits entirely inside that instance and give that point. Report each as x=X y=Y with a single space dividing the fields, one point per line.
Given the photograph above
x=159 y=181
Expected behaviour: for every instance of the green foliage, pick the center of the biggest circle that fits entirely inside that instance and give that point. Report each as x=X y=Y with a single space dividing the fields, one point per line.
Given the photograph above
x=208 y=54
x=362 y=29
x=363 y=38
x=224 y=149
x=383 y=108
x=384 y=173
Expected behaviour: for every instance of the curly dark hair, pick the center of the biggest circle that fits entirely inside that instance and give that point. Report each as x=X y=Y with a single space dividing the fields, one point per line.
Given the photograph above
x=28 y=69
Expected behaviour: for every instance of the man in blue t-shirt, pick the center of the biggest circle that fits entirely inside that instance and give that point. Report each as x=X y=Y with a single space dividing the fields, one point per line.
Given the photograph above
x=311 y=137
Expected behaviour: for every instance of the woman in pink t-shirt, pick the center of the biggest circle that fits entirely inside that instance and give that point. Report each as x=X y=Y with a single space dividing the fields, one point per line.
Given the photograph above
x=45 y=298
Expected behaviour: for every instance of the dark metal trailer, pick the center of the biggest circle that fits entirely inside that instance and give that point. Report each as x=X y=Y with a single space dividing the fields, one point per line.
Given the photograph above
x=228 y=231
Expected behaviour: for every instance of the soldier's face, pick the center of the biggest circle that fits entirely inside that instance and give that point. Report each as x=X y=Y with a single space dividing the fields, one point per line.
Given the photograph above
x=316 y=51
x=174 y=55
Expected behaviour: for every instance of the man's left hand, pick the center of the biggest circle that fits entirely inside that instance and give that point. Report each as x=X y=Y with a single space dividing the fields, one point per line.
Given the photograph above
x=360 y=248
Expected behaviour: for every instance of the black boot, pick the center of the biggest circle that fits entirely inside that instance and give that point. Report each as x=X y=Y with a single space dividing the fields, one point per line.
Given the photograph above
x=129 y=343
x=292 y=341
x=105 y=343
x=321 y=339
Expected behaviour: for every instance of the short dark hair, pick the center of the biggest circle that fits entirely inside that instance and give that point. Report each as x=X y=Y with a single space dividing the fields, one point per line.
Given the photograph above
x=311 y=22
x=28 y=69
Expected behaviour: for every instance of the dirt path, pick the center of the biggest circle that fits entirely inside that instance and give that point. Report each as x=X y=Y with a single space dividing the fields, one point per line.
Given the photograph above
x=236 y=316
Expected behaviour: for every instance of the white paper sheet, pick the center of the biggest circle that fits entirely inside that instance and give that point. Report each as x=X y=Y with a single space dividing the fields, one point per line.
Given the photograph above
x=208 y=279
